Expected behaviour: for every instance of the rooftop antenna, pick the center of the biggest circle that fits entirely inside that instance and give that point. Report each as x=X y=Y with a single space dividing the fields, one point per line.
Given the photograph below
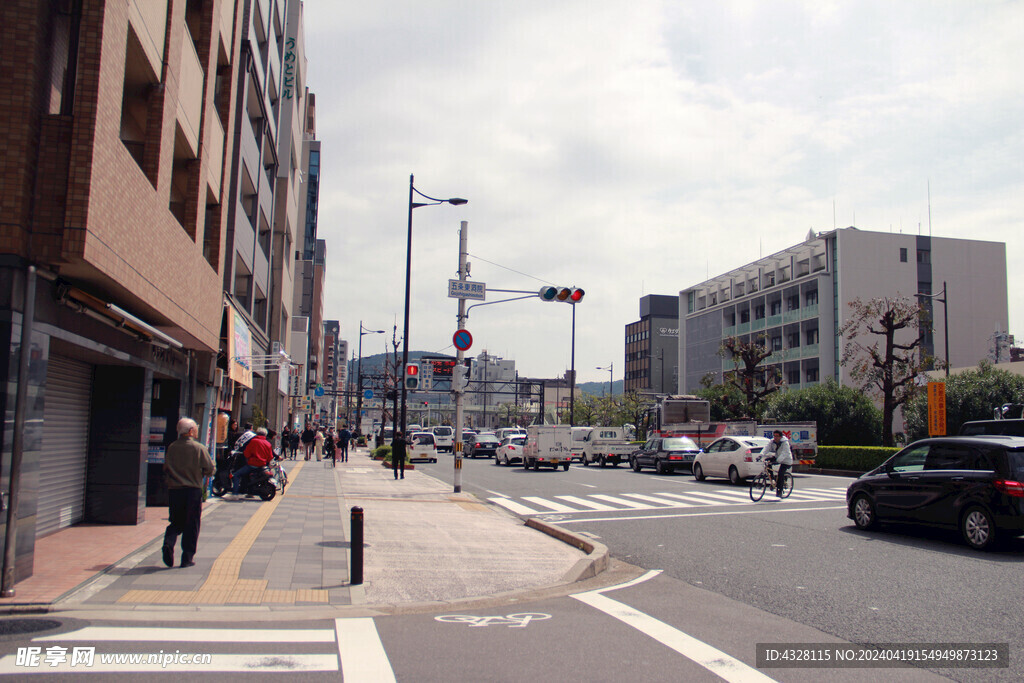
x=929 y=207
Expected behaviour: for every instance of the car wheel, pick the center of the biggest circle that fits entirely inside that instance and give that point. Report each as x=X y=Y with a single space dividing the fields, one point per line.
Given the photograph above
x=734 y=475
x=634 y=464
x=659 y=467
x=864 y=512
x=586 y=463
x=698 y=472
x=604 y=461
x=978 y=528
x=565 y=466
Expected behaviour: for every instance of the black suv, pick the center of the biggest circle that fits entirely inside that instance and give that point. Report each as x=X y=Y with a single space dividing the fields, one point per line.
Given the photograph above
x=973 y=484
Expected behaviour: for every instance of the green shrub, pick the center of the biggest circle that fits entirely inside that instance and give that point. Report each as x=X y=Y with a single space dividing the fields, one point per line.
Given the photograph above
x=853 y=458
x=382 y=453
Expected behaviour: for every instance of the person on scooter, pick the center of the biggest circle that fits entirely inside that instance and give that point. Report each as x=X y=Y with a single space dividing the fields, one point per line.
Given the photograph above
x=258 y=454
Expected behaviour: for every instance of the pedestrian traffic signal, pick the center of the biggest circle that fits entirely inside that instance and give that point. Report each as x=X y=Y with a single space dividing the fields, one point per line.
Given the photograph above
x=412 y=376
x=569 y=295
x=460 y=378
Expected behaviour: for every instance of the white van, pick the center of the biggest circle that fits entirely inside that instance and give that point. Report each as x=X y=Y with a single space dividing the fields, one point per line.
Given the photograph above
x=422 y=447
x=444 y=438
x=506 y=432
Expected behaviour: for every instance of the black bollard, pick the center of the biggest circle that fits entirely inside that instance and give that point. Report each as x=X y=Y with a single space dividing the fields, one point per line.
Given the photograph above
x=356 y=545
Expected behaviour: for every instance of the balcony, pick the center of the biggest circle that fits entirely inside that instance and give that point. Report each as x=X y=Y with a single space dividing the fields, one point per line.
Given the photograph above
x=729 y=331
x=190 y=93
x=758 y=324
x=774 y=320
x=810 y=311
x=810 y=351
x=791 y=316
x=743 y=328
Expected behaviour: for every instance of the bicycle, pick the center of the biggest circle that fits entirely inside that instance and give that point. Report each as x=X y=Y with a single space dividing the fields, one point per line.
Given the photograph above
x=766 y=481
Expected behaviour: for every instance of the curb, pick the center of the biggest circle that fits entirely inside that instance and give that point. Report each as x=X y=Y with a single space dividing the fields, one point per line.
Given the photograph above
x=597 y=560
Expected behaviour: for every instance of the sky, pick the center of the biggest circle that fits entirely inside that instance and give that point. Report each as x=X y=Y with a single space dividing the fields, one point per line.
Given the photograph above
x=633 y=148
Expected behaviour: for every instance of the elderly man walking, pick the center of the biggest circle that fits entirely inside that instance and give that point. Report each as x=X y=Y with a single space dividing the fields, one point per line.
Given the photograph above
x=186 y=463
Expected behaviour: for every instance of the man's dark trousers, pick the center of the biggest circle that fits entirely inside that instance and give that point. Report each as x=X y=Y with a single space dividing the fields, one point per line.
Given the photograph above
x=397 y=463
x=185 y=508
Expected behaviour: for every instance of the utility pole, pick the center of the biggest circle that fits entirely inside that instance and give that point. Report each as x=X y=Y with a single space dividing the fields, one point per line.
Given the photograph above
x=460 y=356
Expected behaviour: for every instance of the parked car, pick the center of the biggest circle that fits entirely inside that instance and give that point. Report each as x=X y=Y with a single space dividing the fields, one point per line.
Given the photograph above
x=482 y=446
x=510 y=450
x=421 y=447
x=973 y=484
x=444 y=438
x=980 y=427
x=665 y=454
x=734 y=457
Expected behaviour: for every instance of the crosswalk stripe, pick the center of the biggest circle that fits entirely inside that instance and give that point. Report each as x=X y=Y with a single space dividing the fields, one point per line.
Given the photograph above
x=622 y=501
x=589 y=504
x=556 y=507
x=695 y=498
x=514 y=506
x=730 y=496
x=194 y=635
x=219 y=663
x=660 y=501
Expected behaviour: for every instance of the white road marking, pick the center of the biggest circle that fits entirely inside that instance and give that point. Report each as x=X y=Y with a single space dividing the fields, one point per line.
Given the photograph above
x=730 y=496
x=599 y=507
x=703 y=499
x=623 y=502
x=759 y=511
x=500 y=495
x=515 y=507
x=555 y=507
x=219 y=663
x=659 y=501
x=362 y=654
x=195 y=635
x=714 y=660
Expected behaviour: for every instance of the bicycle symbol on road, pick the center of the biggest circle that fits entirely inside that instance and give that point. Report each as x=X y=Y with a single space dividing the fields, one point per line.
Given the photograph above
x=510 y=620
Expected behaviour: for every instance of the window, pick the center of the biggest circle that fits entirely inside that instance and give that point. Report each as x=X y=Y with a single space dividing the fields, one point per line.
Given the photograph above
x=947 y=457
x=793 y=377
x=811 y=298
x=924 y=257
x=793 y=340
x=777 y=343
x=903 y=254
x=812 y=374
x=793 y=303
x=909 y=461
x=745 y=316
x=812 y=336
x=759 y=312
x=776 y=307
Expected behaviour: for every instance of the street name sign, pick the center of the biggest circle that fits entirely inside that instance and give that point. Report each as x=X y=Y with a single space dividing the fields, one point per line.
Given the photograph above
x=463 y=289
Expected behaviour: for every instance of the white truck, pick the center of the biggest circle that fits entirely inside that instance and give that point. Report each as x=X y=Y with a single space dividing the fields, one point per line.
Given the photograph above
x=548 y=445
x=606 y=446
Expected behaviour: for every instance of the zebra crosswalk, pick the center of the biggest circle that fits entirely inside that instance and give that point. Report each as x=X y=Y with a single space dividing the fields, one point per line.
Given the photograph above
x=627 y=502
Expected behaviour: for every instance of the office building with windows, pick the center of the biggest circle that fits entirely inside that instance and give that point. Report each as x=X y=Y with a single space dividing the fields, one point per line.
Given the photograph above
x=798 y=299
x=652 y=346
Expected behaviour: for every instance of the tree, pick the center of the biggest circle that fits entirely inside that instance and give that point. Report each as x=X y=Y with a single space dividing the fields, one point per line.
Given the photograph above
x=887 y=362
x=755 y=383
x=970 y=395
x=845 y=416
x=727 y=402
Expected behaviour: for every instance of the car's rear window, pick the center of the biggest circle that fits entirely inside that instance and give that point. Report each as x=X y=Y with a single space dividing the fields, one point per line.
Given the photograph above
x=679 y=443
x=442 y=431
x=1015 y=460
x=484 y=438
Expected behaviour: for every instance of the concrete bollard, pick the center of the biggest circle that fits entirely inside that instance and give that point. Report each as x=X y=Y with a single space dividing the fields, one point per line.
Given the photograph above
x=356 y=545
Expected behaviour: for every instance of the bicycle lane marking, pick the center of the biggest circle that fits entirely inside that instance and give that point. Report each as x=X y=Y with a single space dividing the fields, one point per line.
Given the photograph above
x=714 y=660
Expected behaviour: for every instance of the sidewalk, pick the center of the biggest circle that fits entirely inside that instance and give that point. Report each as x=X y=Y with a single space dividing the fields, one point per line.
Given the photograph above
x=422 y=543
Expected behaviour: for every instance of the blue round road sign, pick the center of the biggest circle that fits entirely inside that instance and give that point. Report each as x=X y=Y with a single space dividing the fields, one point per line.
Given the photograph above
x=462 y=340
x=368 y=393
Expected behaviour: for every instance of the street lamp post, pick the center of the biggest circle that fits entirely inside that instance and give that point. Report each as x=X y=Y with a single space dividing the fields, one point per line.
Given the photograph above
x=359 y=373
x=945 y=314
x=454 y=201
x=611 y=378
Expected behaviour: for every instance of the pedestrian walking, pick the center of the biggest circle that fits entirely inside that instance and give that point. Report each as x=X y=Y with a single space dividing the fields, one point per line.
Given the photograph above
x=330 y=452
x=318 y=445
x=186 y=463
x=293 y=443
x=398 y=445
x=308 y=437
x=343 y=438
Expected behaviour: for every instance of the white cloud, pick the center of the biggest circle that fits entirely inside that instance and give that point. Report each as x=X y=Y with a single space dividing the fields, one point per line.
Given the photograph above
x=633 y=148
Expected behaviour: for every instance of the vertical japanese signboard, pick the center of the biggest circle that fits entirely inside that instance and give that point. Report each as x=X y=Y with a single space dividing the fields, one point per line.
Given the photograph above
x=936 y=409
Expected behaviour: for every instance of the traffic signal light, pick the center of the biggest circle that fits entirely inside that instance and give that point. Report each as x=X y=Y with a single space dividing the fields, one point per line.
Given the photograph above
x=569 y=295
x=460 y=378
x=412 y=376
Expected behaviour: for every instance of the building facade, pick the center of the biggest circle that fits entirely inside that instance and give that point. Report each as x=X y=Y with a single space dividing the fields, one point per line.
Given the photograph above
x=112 y=247
x=798 y=299
x=652 y=346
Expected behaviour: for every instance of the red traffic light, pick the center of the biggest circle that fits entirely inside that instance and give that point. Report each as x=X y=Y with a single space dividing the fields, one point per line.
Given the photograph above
x=576 y=296
x=412 y=370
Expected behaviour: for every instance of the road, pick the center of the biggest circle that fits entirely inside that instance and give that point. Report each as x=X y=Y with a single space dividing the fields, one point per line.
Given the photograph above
x=705 y=576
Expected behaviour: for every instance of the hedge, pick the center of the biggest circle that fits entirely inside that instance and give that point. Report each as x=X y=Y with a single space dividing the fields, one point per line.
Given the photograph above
x=853 y=458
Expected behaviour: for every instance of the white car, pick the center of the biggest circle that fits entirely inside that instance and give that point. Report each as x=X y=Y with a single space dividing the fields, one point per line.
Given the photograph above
x=421 y=447
x=510 y=450
x=734 y=457
x=444 y=438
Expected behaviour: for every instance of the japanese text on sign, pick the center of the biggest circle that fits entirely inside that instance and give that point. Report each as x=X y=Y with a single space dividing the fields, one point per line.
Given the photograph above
x=462 y=289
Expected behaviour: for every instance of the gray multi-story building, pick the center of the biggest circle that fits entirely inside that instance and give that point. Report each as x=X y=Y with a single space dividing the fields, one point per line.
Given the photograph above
x=652 y=346
x=798 y=299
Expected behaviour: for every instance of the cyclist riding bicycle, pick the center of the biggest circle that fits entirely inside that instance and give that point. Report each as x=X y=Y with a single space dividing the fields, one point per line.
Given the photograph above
x=777 y=451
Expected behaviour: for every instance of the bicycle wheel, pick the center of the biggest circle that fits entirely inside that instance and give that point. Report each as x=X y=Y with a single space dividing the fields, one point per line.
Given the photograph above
x=787 y=485
x=757 y=487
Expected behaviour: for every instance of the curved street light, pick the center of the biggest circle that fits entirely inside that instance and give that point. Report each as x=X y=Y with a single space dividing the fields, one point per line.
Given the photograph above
x=413 y=204
x=359 y=373
x=611 y=378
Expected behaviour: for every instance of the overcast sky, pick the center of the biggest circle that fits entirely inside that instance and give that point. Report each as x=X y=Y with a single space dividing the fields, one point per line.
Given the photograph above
x=634 y=148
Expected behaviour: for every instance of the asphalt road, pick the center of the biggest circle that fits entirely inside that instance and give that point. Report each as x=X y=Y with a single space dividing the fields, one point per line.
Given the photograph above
x=799 y=559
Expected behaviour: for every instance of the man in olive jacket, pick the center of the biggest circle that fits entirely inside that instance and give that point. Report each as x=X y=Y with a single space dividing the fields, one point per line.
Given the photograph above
x=186 y=463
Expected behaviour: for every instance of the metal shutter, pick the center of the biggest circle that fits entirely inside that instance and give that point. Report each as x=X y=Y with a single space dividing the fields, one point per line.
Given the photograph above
x=65 y=451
